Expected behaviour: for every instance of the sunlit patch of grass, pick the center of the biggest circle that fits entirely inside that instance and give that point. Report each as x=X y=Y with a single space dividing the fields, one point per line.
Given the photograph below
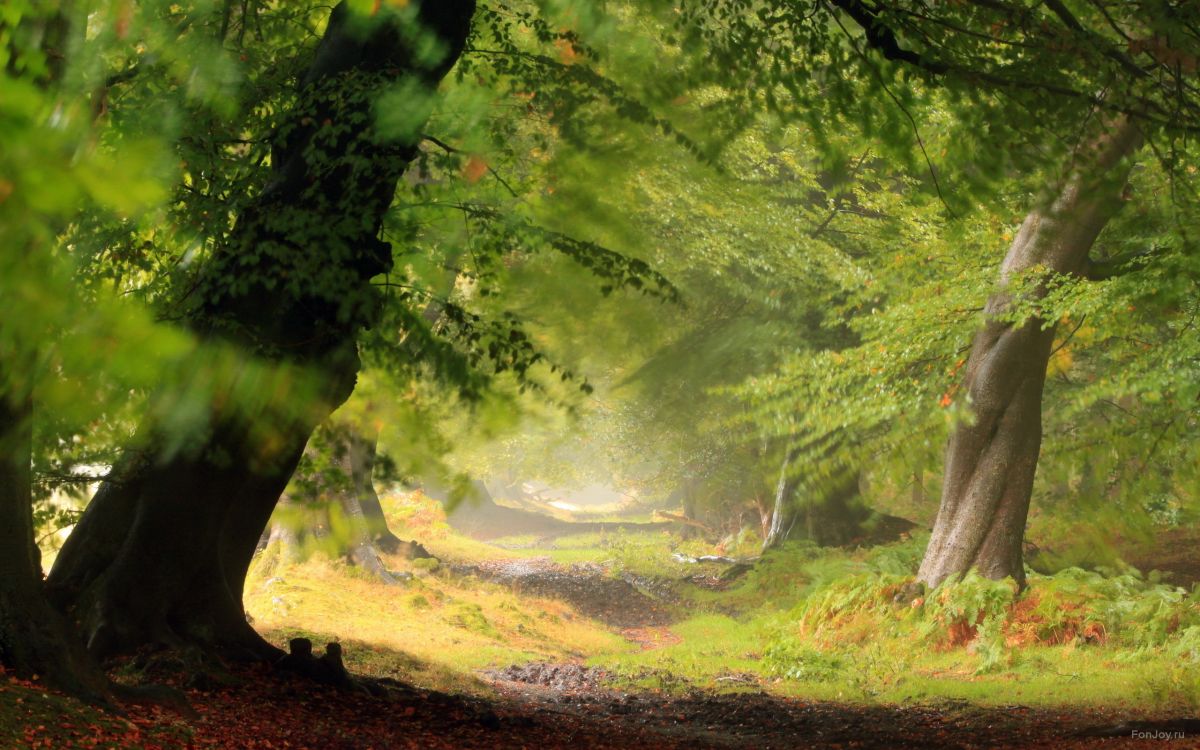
x=646 y=553
x=447 y=625
x=805 y=622
x=1038 y=676
x=713 y=651
x=454 y=548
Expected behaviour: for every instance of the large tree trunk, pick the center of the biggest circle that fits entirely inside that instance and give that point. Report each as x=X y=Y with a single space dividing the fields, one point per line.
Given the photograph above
x=160 y=556
x=35 y=639
x=991 y=461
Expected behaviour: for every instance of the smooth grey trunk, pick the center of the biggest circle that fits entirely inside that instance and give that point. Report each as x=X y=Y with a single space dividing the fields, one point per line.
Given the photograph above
x=363 y=447
x=991 y=460
x=783 y=515
x=361 y=550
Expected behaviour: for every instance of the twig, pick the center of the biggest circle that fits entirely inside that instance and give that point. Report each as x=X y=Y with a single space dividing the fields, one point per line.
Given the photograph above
x=452 y=150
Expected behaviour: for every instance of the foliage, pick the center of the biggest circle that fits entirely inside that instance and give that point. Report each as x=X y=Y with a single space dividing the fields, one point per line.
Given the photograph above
x=1134 y=618
x=695 y=239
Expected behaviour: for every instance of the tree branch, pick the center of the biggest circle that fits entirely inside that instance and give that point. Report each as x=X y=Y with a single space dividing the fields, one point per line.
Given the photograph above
x=883 y=39
x=452 y=150
x=1118 y=265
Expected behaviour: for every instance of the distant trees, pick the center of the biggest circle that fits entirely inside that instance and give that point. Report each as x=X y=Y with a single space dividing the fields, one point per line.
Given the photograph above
x=331 y=503
x=989 y=101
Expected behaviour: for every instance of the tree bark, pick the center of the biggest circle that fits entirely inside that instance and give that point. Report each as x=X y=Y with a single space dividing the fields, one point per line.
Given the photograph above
x=340 y=502
x=160 y=557
x=363 y=449
x=991 y=461
x=35 y=639
x=783 y=511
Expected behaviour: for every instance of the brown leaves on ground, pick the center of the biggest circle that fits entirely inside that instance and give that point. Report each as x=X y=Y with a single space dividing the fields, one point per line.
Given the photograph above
x=263 y=710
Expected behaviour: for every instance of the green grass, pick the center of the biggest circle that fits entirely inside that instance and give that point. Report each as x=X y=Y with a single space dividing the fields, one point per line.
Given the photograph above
x=447 y=627
x=805 y=622
x=642 y=553
x=712 y=651
x=821 y=624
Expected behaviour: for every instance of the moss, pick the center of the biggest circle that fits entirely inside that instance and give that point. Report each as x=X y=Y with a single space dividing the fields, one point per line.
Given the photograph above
x=471 y=617
x=425 y=563
x=417 y=601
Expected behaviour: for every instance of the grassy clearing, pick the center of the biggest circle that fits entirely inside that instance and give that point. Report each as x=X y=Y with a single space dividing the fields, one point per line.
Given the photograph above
x=823 y=624
x=641 y=553
x=809 y=622
x=434 y=630
x=644 y=553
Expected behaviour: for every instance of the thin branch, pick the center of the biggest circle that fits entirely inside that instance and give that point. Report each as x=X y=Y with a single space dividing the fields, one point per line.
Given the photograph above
x=937 y=186
x=1057 y=8
x=1070 y=336
x=452 y=150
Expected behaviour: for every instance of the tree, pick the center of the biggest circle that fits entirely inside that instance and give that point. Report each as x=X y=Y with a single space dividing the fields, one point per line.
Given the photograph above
x=161 y=553
x=270 y=254
x=990 y=461
x=331 y=501
x=890 y=69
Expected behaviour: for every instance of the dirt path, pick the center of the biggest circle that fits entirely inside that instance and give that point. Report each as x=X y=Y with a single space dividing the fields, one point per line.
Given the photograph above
x=576 y=696
x=625 y=602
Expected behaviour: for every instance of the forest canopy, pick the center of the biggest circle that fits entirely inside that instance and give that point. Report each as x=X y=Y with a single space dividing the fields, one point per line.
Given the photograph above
x=774 y=275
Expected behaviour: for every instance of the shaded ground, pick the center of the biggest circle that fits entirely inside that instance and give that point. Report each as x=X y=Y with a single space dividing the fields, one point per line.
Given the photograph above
x=542 y=707
x=624 y=602
x=758 y=720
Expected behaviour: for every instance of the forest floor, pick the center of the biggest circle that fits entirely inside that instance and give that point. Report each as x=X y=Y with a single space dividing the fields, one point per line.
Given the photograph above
x=548 y=707
x=607 y=641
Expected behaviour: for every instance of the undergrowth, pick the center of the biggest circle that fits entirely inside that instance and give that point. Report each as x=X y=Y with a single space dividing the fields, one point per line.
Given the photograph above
x=1106 y=629
x=819 y=623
